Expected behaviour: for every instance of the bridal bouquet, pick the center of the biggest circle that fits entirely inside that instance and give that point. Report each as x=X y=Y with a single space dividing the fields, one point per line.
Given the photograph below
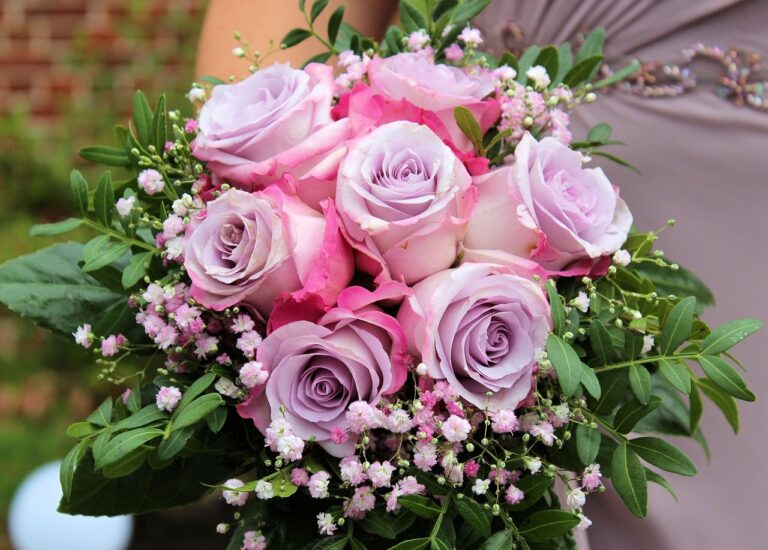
x=387 y=304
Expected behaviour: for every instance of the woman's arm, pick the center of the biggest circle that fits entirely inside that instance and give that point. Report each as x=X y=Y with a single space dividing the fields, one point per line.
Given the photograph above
x=258 y=21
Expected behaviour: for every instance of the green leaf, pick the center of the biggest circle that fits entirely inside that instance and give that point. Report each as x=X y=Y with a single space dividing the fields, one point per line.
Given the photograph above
x=534 y=487
x=722 y=401
x=317 y=8
x=590 y=381
x=663 y=455
x=583 y=71
x=419 y=505
x=640 y=382
x=282 y=485
x=469 y=126
x=653 y=477
x=104 y=199
x=526 y=61
x=695 y=409
x=613 y=385
x=51 y=229
x=68 y=467
x=593 y=45
x=469 y=10
x=618 y=160
x=336 y=542
x=676 y=373
x=618 y=76
x=100 y=252
x=475 y=515
x=679 y=282
x=628 y=477
x=109 y=156
x=197 y=410
x=126 y=465
x=103 y=415
x=160 y=124
x=445 y=538
x=502 y=540
x=80 y=429
x=194 y=390
x=147 y=415
x=601 y=343
x=566 y=62
x=172 y=446
x=79 y=192
x=334 y=23
x=294 y=36
x=412 y=18
x=587 y=443
x=393 y=39
x=508 y=59
x=633 y=345
x=134 y=400
x=216 y=419
x=728 y=335
x=136 y=269
x=632 y=412
x=566 y=362
x=549 y=58
x=142 y=118
x=378 y=523
x=556 y=305
x=122 y=444
x=600 y=132
x=678 y=325
x=547 y=524
x=411 y=544
x=319 y=58
x=725 y=376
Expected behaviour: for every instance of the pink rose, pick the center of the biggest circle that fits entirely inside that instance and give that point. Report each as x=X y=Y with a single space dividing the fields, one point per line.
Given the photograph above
x=249 y=248
x=480 y=328
x=404 y=199
x=276 y=121
x=356 y=352
x=435 y=87
x=546 y=207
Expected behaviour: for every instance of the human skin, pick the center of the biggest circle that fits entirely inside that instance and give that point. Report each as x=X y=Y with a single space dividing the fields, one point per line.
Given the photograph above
x=259 y=21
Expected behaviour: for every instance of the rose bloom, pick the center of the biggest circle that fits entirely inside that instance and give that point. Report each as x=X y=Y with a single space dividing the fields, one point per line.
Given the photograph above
x=404 y=200
x=248 y=248
x=546 y=207
x=480 y=328
x=275 y=121
x=356 y=352
x=435 y=87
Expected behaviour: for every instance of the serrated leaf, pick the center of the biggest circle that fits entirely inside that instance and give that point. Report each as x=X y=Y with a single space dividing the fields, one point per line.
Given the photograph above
x=632 y=412
x=663 y=455
x=334 y=23
x=104 y=199
x=475 y=515
x=558 y=311
x=197 y=410
x=293 y=37
x=725 y=376
x=419 y=505
x=587 y=443
x=728 y=335
x=566 y=362
x=676 y=373
x=124 y=443
x=79 y=192
x=583 y=71
x=677 y=326
x=640 y=382
x=108 y=156
x=628 y=477
x=58 y=228
x=142 y=118
x=469 y=126
x=547 y=524
x=68 y=467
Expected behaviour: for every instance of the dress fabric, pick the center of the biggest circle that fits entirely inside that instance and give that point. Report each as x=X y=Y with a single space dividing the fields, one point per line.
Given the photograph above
x=704 y=161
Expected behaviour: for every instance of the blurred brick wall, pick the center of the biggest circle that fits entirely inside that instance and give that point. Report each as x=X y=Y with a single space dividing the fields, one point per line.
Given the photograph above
x=93 y=53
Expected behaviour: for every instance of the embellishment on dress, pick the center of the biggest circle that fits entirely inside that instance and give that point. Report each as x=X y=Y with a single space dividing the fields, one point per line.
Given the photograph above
x=737 y=84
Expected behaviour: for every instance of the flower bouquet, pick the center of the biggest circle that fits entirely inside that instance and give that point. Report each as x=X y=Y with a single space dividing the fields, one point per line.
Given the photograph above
x=391 y=305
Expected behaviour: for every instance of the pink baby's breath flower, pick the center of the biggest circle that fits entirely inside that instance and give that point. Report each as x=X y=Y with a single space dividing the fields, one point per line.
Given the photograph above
x=481 y=486
x=126 y=395
x=254 y=540
x=318 y=484
x=111 y=344
x=172 y=226
x=471 y=37
x=234 y=498
x=352 y=470
x=504 y=73
x=380 y=474
x=576 y=498
x=168 y=146
x=185 y=314
x=224 y=359
x=513 y=495
x=151 y=181
x=504 y=421
x=248 y=342
x=325 y=524
x=252 y=374
x=264 y=490
x=362 y=501
x=456 y=429
x=417 y=40
x=545 y=431
x=290 y=447
x=622 y=258
x=584 y=523
x=361 y=416
x=399 y=422
x=84 y=335
x=227 y=388
x=454 y=52
x=299 y=477
x=471 y=468
x=125 y=205
x=339 y=435
x=166 y=337
x=167 y=398
x=591 y=478
x=190 y=126
x=347 y=57
x=425 y=456
x=205 y=345
x=242 y=323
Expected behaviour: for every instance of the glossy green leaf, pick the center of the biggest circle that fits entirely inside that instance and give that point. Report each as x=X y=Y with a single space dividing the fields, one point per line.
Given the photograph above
x=58 y=228
x=677 y=326
x=101 y=251
x=475 y=515
x=566 y=362
x=547 y=524
x=103 y=415
x=676 y=373
x=216 y=419
x=695 y=409
x=590 y=381
x=379 y=523
x=628 y=477
x=469 y=126
x=175 y=443
x=601 y=343
x=411 y=544
x=633 y=345
x=334 y=23
x=136 y=269
x=583 y=71
x=411 y=17
x=104 y=199
x=194 y=390
x=122 y=444
x=679 y=282
x=613 y=384
x=587 y=443
x=68 y=467
x=317 y=8
x=142 y=118
x=79 y=430
x=549 y=58
x=600 y=132
x=593 y=45
x=640 y=382
x=293 y=37
x=108 y=156
x=632 y=412
x=197 y=410
x=445 y=537
x=419 y=505
x=653 y=477
x=469 y=10
x=79 y=192
x=728 y=335
x=160 y=124
x=558 y=311
x=663 y=455
x=722 y=401
x=725 y=376
x=126 y=465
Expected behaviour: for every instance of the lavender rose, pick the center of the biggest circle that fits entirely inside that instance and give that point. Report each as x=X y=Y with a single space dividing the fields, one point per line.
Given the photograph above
x=404 y=199
x=547 y=207
x=275 y=121
x=480 y=328
x=435 y=87
x=249 y=248
x=356 y=352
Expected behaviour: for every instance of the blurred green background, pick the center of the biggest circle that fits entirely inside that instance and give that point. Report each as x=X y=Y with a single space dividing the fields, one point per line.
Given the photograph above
x=68 y=69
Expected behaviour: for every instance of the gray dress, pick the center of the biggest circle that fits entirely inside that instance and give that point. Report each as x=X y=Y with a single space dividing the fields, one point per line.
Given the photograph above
x=704 y=161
